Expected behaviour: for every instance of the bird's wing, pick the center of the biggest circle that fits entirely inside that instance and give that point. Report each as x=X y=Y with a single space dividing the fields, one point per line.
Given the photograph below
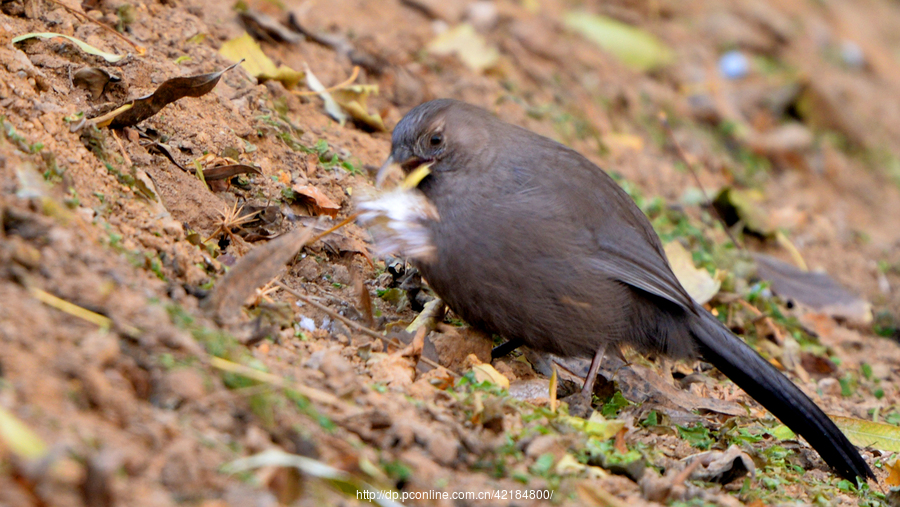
x=623 y=243
x=630 y=262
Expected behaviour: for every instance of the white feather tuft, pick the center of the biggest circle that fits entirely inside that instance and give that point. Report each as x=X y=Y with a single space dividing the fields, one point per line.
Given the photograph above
x=399 y=222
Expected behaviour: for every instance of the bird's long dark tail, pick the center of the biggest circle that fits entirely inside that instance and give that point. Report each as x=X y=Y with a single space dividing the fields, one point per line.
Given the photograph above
x=764 y=383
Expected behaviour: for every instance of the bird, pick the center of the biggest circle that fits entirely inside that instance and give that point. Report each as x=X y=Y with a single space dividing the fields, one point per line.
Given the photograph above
x=531 y=241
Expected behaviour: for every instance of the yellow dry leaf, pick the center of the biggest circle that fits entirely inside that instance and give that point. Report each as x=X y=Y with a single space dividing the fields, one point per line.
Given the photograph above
x=485 y=372
x=624 y=142
x=468 y=45
x=19 y=438
x=354 y=100
x=864 y=433
x=597 y=426
x=697 y=282
x=893 y=478
x=554 y=382
x=256 y=63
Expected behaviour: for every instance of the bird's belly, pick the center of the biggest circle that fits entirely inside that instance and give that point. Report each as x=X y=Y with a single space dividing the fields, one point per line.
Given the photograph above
x=518 y=291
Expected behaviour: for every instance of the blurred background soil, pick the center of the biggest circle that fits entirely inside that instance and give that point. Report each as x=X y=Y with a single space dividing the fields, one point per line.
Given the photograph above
x=793 y=106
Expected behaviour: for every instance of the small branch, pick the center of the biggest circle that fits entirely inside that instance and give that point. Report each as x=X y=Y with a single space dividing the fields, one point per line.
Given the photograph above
x=359 y=327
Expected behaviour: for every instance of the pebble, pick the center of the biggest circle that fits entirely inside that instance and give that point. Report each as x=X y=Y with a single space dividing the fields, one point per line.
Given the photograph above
x=830 y=387
x=734 y=65
x=307 y=324
x=852 y=55
x=483 y=15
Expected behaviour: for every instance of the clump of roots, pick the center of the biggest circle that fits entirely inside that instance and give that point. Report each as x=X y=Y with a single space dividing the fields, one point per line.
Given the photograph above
x=231 y=221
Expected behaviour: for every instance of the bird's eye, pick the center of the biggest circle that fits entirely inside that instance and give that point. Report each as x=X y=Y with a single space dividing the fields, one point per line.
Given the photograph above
x=436 y=140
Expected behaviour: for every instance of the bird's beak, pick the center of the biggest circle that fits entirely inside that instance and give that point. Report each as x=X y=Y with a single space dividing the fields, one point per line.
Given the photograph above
x=389 y=170
x=406 y=173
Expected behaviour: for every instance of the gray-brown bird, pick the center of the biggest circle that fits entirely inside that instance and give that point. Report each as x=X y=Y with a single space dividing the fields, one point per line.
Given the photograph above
x=539 y=245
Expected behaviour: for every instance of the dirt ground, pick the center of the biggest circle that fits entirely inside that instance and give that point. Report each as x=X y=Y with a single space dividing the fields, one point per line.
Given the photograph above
x=138 y=394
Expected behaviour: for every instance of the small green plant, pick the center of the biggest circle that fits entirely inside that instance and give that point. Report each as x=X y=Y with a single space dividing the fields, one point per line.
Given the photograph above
x=698 y=436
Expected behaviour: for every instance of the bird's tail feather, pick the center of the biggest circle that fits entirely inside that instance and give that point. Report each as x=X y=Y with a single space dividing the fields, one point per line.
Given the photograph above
x=764 y=383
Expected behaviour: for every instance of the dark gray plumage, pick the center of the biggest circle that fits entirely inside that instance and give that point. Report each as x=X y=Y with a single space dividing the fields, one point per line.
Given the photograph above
x=539 y=245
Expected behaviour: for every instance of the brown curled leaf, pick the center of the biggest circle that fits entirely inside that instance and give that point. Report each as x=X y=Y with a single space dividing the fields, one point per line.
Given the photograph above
x=94 y=80
x=253 y=270
x=320 y=203
x=168 y=92
x=263 y=26
x=227 y=171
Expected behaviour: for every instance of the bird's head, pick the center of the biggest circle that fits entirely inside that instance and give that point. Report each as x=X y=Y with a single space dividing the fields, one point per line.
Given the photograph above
x=442 y=133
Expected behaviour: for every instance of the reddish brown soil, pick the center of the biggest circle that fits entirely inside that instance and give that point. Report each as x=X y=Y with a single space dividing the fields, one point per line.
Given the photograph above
x=133 y=413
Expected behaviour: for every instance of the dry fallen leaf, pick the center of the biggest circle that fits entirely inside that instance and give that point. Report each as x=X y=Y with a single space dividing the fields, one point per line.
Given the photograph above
x=227 y=171
x=331 y=107
x=735 y=205
x=84 y=46
x=697 y=282
x=893 y=478
x=869 y=434
x=168 y=92
x=813 y=289
x=267 y=27
x=487 y=373
x=94 y=80
x=321 y=204
x=256 y=268
x=636 y=48
x=256 y=63
x=354 y=99
x=468 y=45
x=19 y=438
x=722 y=467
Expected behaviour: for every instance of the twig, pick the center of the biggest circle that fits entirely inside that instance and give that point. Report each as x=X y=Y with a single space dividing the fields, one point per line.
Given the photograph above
x=359 y=327
x=331 y=313
x=275 y=380
x=683 y=475
x=74 y=310
x=122 y=149
x=786 y=243
x=664 y=120
x=779 y=338
x=344 y=222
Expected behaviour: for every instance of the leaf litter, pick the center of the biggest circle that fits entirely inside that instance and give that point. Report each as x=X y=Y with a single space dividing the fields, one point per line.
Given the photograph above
x=245 y=50
x=550 y=467
x=84 y=46
x=169 y=91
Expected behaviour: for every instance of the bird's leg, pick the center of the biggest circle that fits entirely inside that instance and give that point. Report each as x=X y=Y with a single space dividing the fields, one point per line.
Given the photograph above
x=505 y=348
x=588 y=388
x=665 y=370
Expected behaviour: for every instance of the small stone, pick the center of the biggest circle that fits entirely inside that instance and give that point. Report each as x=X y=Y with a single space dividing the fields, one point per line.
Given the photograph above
x=734 y=65
x=483 y=15
x=257 y=440
x=307 y=324
x=340 y=274
x=545 y=444
x=100 y=348
x=186 y=384
x=830 y=387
